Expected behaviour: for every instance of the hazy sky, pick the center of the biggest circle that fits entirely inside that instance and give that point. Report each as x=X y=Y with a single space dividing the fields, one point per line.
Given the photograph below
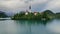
x=37 y=5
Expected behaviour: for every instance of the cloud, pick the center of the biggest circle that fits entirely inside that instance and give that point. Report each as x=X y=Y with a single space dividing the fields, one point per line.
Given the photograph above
x=53 y=5
x=37 y=5
x=12 y=4
x=17 y=5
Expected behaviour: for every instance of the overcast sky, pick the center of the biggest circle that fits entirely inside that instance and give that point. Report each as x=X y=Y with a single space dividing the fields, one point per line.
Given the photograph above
x=37 y=5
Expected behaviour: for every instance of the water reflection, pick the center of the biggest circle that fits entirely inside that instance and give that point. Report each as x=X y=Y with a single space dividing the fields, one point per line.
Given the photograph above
x=29 y=27
x=54 y=26
x=30 y=22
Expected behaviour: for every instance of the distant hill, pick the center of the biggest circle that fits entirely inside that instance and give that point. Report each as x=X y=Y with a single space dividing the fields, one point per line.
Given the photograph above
x=2 y=14
x=48 y=14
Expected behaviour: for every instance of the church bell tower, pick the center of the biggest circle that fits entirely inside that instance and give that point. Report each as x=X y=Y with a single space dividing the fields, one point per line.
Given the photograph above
x=30 y=8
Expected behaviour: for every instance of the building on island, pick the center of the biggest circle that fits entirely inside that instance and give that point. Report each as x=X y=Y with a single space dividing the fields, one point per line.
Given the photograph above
x=28 y=11
x=35 y=13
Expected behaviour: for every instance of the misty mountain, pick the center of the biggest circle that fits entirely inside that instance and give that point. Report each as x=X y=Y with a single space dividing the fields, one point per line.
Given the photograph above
x=3 y=14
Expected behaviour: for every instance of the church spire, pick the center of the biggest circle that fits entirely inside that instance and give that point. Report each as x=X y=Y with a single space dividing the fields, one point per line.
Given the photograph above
x=30 y=8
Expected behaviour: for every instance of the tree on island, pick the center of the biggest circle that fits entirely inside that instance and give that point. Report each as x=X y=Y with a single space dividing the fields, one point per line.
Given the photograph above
x=57 y=15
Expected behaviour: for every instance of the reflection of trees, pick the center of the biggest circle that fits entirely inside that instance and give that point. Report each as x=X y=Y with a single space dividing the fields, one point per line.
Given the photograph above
x=29 y=24
x=32 y=22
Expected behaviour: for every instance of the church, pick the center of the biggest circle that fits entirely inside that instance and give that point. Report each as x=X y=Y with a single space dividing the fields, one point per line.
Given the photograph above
x=29 y=11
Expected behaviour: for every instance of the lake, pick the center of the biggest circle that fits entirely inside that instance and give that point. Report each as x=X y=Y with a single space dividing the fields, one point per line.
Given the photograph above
x=30 y=27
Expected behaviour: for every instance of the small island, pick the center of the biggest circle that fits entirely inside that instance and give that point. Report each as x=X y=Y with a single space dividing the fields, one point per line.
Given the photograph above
x=46 y=15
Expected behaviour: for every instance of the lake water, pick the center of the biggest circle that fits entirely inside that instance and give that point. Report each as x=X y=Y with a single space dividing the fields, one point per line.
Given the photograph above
x=30 y=27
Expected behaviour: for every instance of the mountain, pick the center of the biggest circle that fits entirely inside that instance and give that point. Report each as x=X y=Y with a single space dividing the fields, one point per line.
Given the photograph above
x=2 y=14
x=48 y=14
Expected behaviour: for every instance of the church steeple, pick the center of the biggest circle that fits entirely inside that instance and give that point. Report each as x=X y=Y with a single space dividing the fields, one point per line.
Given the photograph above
x=30 y=8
